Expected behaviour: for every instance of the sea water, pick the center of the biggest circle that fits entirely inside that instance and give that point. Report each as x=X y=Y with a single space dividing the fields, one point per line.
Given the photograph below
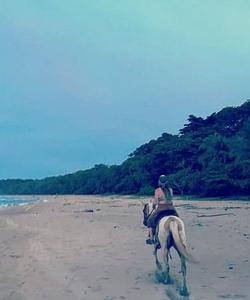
x=14 y=201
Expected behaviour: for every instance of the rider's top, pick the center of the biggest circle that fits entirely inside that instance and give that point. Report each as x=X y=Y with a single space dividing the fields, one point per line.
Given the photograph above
x=162 y=206
x=161 y=197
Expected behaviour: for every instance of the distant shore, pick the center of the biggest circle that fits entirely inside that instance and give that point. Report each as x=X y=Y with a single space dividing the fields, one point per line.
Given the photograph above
x=29 y=199
x=93 y=248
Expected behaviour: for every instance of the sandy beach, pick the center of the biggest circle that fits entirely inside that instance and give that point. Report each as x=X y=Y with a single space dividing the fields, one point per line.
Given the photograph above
x=93 y=248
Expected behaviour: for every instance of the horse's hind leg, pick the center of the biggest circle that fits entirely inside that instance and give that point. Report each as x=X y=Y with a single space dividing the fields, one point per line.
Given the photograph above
x=165 y=253
x=184 y=290
x=158 y=265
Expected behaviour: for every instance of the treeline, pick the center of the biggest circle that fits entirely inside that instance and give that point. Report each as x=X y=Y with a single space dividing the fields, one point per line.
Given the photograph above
x=209 y=157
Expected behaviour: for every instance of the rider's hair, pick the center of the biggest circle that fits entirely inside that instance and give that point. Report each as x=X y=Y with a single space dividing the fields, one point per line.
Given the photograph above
x=163 y=184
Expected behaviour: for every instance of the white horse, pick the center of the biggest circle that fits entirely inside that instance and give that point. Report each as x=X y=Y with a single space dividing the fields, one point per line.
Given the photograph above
x=171 y=233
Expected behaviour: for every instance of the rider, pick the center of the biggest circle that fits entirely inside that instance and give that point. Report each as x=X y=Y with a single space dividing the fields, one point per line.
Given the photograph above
x=162 y=206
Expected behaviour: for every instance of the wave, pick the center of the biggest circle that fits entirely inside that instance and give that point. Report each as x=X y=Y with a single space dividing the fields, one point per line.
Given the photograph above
x=6 y=202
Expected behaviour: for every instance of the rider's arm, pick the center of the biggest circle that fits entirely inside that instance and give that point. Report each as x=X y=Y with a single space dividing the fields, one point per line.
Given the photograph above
x=156 y=199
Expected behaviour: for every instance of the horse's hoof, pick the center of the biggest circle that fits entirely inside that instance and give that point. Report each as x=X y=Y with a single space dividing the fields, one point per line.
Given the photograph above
x=167 y=280
x=184 y=292
x=160 y=276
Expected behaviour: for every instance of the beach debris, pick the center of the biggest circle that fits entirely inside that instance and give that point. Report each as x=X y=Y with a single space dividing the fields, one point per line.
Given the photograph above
x=133 y=204
x=15 y=256
x=187 y=206
x=216 y=215
x=83 y=211
x=28 y=208
x=103 y=278
x=231 y=266
x=230 y=296
x=109 y=298
x=199 y=224
x=232 y=207
x=247 y=235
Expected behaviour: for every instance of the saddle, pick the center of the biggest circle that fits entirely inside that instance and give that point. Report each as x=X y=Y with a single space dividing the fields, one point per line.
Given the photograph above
x=162 y=210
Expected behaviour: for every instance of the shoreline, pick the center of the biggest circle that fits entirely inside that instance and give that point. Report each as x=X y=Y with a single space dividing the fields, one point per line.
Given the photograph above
x=41 y=197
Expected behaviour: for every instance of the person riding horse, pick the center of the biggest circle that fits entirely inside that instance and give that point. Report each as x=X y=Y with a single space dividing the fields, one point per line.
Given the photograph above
x=162 y=205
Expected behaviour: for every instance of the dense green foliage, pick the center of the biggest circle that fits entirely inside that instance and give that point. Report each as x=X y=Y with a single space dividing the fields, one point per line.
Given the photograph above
x=209 y=157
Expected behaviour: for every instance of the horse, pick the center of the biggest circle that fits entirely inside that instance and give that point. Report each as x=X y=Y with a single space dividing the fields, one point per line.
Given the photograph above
x=170 y=233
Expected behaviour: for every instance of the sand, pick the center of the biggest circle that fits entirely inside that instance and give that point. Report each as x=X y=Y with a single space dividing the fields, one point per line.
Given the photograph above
x=93 y=248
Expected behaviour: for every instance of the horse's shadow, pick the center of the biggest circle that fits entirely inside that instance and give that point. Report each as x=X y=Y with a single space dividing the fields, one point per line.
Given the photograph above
x=174 y=287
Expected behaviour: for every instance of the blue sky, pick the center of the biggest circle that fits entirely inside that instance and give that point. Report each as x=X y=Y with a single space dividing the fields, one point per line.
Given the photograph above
x=86 y=82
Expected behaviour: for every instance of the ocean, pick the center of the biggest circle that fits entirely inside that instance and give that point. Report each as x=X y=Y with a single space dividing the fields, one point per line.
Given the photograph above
x=17 y=201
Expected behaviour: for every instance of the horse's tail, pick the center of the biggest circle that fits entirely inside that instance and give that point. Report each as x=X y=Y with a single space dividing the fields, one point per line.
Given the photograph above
x=179 y=243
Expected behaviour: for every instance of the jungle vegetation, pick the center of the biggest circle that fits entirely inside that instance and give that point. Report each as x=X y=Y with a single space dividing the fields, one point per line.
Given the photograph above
x=209 y=157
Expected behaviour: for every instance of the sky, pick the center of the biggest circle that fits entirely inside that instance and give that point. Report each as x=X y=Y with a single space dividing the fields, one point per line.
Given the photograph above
x=86 y=82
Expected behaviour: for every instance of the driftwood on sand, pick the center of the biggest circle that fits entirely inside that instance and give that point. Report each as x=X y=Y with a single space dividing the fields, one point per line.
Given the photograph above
x=216 y=215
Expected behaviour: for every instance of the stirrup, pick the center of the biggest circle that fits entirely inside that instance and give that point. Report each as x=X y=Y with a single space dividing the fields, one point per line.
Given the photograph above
x=149 y=241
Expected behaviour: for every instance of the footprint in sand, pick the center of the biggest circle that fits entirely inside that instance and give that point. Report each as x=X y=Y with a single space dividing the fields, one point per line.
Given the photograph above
x=103 y=278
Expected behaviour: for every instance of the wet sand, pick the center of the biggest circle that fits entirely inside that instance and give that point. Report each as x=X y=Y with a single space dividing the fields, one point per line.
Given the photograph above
x=93 y=248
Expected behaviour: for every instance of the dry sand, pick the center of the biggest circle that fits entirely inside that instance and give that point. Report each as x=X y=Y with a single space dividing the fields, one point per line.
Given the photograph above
x=57 y=250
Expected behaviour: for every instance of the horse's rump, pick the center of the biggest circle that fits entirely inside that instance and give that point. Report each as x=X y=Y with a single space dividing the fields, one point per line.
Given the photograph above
x=174 y=227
